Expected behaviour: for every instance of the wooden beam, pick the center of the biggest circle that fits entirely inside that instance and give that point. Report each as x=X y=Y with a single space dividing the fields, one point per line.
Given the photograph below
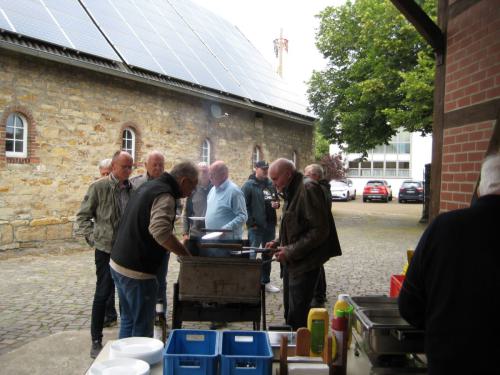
x=423 y=23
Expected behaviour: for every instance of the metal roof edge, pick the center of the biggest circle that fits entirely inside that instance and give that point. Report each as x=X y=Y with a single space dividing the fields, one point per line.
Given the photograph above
x=117 y=69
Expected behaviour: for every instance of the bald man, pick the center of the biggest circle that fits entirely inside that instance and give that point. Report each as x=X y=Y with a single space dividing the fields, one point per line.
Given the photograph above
x=155 y=166
x=226 y=207
x=98 y=219
x=307 y=238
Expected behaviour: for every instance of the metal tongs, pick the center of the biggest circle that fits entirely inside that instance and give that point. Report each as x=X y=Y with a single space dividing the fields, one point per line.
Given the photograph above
x=250 y=250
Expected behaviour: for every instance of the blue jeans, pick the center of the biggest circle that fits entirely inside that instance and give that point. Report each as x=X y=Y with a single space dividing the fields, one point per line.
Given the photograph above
x=161 y=276
x=257 y=237
x=137 y=305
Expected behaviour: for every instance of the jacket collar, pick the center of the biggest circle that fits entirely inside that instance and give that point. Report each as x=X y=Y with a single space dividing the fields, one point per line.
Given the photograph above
x=290 y=190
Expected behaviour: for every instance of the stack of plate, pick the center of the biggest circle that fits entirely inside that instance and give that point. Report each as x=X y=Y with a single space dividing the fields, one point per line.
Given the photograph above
x=130 y=356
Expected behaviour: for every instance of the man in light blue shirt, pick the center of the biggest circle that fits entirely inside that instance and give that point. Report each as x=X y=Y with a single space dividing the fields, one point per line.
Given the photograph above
x=226 y=207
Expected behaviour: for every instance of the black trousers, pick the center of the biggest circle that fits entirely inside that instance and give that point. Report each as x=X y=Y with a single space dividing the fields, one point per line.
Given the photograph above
x=298 y=292
x=103 y=289
x=320 y=288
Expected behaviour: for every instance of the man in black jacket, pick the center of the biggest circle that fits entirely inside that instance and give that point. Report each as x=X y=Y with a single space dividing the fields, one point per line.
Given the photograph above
x=144 y=236
x=307 y=238
x=453 y=281
x=262 y=201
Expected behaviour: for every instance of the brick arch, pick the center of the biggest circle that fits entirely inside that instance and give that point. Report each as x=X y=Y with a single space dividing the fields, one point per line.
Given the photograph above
x=33 y=146
x=138 y=140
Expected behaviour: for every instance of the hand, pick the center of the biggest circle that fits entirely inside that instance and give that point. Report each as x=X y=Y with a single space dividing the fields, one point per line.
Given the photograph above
x=275 y=204
x=185 y=237
x=271 y=245
x=280 y=254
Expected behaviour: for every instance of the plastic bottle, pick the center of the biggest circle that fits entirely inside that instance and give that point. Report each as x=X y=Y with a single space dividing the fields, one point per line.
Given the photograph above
x=340 y=324
x=342 y=304
x=317 y=323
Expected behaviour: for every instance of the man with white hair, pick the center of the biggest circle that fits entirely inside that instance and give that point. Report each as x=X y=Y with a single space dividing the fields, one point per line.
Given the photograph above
x=104 y=167
x=155 y=166
x=453 y=280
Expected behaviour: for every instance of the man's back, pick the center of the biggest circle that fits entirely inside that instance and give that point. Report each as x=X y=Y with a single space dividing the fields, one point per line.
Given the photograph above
x=452 y=281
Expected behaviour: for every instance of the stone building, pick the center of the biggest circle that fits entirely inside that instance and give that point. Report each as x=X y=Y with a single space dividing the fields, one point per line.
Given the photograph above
x=64 y=108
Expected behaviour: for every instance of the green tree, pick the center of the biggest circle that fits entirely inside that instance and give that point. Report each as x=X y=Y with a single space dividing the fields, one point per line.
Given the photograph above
x=321 y=145
x=379 y=75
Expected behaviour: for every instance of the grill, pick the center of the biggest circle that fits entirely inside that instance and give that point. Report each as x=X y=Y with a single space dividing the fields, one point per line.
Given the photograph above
x=224 y=289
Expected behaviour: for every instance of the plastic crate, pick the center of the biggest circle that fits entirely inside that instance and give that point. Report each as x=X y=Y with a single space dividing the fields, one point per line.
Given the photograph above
x=245 y=352
x=191 y=352
x=396 y=284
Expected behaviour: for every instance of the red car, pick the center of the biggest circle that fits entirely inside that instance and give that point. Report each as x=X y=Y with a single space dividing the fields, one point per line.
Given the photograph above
x=377 y=189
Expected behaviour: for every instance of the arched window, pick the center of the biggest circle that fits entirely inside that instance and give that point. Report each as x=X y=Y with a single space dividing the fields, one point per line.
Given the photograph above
x=128 y=141
x=294 y=158
x=256 y=155
x=205 y=151
x=16 y=136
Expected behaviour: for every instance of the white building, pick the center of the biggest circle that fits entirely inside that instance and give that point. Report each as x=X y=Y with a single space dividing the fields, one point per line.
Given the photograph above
x=402 y=159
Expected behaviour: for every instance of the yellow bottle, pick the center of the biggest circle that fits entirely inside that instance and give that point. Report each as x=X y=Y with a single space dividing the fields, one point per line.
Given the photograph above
x=317 y=323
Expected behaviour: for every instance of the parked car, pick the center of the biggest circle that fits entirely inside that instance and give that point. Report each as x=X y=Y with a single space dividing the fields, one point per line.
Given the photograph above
x=342 y=190
x=411 y=191
x=377 y=189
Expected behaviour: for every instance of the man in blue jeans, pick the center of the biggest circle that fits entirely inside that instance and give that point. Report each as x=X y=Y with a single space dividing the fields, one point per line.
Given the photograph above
x=261 y=201
x=144 y=236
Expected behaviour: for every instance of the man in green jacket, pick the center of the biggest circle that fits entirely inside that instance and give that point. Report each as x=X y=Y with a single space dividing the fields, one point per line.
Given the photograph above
x=98 y=220
x=307 y=238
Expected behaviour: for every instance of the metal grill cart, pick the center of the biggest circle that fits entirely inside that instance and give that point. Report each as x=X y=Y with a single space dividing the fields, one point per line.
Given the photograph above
x=391 y=344
x=225 y=289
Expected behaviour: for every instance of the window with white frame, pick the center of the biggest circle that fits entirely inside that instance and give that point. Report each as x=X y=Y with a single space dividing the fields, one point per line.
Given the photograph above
x=205 y=151
x=294 y=158
x=128 y=141
x=16 y=136
x=256 y=155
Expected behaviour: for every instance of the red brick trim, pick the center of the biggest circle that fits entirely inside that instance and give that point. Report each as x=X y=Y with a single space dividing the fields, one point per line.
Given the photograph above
x=33 y=146
x=460 y=6
x=138 y=141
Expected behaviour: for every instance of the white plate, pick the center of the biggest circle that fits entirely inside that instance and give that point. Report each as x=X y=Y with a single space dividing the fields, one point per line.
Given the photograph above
x=120 y=366
x=211 y=236
x=143 y=348
x=196 y=217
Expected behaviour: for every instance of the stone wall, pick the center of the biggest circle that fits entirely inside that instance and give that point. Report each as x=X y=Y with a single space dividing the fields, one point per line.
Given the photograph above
x=76 y=118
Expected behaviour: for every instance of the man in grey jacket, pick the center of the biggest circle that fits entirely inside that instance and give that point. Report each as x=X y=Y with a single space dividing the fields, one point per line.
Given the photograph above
x=98 y=220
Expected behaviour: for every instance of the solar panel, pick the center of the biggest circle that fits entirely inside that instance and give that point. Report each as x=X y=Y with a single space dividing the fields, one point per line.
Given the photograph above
x=176 y=38
x=63 y=23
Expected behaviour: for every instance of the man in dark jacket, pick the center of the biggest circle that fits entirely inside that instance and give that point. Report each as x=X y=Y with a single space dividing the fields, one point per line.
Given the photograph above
x=453 y=281
x=262 y=201
x=144 y=236
x=315 y=172
x=307 y=238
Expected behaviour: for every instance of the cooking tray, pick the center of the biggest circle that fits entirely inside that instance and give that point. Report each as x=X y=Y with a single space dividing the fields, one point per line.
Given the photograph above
x=379 y=328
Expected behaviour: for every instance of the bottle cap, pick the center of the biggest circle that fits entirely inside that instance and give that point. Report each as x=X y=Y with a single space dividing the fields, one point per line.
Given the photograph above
x=343 y=297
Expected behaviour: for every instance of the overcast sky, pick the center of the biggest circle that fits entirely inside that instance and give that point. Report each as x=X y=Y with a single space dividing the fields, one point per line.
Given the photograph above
x=261 y=20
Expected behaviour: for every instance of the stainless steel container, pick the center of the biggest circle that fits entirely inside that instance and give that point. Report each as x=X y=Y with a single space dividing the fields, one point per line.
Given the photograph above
x=379 y=329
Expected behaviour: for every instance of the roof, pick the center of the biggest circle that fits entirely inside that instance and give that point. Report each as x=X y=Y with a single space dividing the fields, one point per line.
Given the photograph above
x=173 y=44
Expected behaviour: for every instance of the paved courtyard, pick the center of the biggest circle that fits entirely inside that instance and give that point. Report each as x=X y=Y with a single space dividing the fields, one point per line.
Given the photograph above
x=52 y=292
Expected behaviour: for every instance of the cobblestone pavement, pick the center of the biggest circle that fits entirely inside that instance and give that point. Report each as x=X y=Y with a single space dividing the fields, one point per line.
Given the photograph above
x=52 y=292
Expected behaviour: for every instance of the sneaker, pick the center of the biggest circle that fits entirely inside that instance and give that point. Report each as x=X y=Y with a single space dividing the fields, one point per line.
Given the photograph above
x=110 y=322
x=272 y=289
x=95 y=349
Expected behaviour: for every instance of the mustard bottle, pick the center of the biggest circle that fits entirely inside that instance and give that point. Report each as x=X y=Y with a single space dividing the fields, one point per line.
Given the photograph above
x=317 y=323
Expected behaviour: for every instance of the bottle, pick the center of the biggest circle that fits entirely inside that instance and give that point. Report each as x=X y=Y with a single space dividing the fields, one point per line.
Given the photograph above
x=342 y=304
x=160 y=326
x=340 y=324
x=317 y=323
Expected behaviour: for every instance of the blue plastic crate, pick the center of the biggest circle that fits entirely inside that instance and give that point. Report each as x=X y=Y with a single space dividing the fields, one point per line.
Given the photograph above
x=191 y=352
x=245 y=352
